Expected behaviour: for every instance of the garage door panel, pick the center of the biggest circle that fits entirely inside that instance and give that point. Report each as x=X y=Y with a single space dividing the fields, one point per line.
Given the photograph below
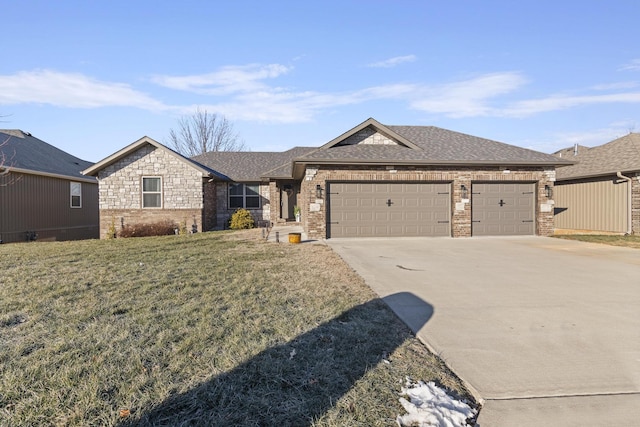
x=413 y=216
x=503 y=209
x=416 y=209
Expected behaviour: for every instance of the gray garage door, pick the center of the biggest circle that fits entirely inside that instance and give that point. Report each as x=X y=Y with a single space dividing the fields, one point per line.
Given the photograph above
x=503 y=209
x=367 y=209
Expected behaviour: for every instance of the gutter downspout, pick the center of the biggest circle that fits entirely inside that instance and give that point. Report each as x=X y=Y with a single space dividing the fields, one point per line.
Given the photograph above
x=629 y=210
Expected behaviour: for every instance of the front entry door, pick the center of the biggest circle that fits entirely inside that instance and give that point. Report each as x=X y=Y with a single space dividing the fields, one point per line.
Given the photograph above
x=288 y=199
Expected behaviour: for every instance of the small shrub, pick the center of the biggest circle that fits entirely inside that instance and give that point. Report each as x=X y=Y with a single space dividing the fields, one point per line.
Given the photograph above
x=182 y=228
x=111 y=232
x=160 y=228
x=241 y=219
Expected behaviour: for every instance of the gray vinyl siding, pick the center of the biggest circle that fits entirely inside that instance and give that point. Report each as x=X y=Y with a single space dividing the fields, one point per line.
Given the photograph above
x=42 y=204
x=593 y=205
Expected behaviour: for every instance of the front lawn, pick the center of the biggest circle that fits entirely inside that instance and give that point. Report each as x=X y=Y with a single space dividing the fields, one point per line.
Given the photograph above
x=207 y=329
x=632 y=241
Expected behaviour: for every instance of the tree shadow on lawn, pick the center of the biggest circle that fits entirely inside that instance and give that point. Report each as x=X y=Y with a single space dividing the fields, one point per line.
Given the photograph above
x=294 y=383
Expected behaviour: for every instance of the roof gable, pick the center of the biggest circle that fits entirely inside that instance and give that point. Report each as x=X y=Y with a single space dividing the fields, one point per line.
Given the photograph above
x=25 y=153
x=370 y=132
x=620 y=155
x=133 y=147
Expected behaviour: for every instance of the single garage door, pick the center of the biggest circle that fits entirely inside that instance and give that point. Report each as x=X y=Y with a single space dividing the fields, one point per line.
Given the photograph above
x=503 y=209
x=367 y=209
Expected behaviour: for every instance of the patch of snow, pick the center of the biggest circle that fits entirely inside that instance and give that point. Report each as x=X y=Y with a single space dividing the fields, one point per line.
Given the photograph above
x=429 y=405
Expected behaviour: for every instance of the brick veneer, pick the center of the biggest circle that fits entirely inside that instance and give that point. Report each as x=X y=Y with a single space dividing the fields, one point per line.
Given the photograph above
x=314 y=223
x=120 y=193
x=224 y=212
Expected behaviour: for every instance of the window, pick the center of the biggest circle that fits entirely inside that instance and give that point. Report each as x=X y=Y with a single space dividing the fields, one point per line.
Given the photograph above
x=76 y=194
x=244 y=196
x=151 y=192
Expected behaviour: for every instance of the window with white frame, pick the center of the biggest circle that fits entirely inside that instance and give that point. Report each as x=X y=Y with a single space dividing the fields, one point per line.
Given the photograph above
x=151 y=192
x=76 y=194
x=244 y=196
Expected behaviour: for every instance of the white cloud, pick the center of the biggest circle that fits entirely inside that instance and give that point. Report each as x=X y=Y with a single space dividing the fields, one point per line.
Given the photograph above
x=248 y=93
x=634 y=65
x=468 y=98
x=71 y=90
x=594 y=137
x=227 y=80
x=589 y=138
x=392 y=62
x=616 y=86
x=563 y=102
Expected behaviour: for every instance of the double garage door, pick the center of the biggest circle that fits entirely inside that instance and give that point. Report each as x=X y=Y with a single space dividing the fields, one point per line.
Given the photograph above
x=365 y=209
x=378 y=209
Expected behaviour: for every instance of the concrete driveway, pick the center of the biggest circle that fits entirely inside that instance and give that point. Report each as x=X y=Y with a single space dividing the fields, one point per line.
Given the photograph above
x=545 y=331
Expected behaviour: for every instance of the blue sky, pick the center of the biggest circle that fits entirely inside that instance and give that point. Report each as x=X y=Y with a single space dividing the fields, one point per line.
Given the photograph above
x=90 y=77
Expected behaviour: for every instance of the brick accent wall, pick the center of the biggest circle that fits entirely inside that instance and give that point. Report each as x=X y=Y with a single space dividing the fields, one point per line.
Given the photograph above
x=224 y=212
x=274 y=200
x=209 y=215
x=314 y=209
x=124 y=217
x=120 y=190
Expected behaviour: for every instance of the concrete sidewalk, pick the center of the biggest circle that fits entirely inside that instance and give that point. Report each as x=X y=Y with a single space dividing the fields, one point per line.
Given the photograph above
x=280 y=233
x=545 y=331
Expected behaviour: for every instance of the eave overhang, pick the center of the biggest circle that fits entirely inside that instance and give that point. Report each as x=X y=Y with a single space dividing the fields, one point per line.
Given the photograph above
x=299 y=165
x=11 y=169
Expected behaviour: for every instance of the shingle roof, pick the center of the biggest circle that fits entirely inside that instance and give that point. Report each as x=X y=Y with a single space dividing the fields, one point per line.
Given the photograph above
x=245 y=166
x=416 y=145
x=619 y=155
x=449 y=146
x=433 y=145
x=22 y=151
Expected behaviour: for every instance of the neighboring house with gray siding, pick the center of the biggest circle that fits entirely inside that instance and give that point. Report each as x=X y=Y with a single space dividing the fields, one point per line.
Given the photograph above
x=601 y=191
x=373 y=180
x=43 y=194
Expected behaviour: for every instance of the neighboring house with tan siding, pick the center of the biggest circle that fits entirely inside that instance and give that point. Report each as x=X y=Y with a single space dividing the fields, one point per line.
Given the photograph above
x=601 y=191
x=373 y=180
x=43 y=195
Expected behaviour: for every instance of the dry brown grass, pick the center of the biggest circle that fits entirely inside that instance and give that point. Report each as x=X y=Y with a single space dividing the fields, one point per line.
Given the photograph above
x=207 y=329
x=632 y=241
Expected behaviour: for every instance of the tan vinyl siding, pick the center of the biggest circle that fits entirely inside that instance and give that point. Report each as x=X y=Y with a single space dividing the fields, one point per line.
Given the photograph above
x=41 y=204
x=600 y=205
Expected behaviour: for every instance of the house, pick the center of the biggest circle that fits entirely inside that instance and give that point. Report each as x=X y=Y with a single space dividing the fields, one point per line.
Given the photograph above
x=43 y=195
x=373 y=180
x=601 y=191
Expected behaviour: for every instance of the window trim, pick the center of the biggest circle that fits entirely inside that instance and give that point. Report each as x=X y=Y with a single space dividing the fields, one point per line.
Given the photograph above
x=142 y=192
x=243 y=195
x=72 y=184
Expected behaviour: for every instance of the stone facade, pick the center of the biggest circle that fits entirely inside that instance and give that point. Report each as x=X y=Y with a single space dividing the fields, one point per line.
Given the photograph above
x=368 y=136
x=120 y=191
x=314 y=208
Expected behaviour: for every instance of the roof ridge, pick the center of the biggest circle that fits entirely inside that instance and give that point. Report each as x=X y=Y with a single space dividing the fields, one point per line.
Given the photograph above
x=15 y=132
